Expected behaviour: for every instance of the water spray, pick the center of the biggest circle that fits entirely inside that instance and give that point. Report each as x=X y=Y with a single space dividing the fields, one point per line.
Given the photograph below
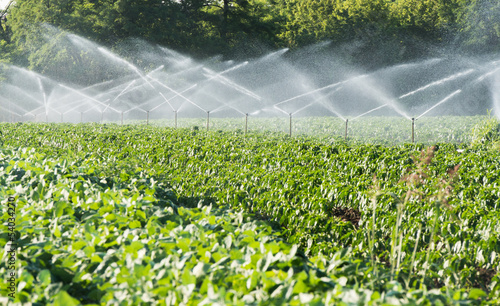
x=225 y=81
x=311 y=92
x=215 y=75
x=440 y=102
x=40 y=85
x=89 y=97
x=484 y=76
x=177 y=93
x=124 y=90
x=168 y=102
x=102 y=113
x=127 y=63
x=372 y=110
x=439 y=82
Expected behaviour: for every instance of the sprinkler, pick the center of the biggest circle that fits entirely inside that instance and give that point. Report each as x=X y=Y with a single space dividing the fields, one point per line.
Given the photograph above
x=246 y=123
x=290 y=124
x=208 y=120
x=62 y=117
x=122 y=118
x=175 y=118
x=81 y=117
x=412 y=130
x=147 y=117
x=345 y=134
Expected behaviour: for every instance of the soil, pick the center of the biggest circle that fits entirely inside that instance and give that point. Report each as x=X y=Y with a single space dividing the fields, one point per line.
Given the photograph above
x=347 y=214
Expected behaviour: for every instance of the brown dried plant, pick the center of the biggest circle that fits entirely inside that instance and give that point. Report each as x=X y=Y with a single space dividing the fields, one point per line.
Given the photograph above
x=417 y=180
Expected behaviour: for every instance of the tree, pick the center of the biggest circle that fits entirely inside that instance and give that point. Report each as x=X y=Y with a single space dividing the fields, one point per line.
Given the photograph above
x=479 y=25
x=240 y=23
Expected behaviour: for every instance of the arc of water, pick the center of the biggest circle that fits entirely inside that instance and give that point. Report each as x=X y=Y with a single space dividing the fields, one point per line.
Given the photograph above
x=32 y=112
x=303 y=108
x=176 y=93
x=226 y=106
x=440 y=102
x=165 y=102
x=138 y=108
x=370 y=111
x=333 y=85
x=54 y=110
x=26 y=71
x=156 y=69
x=383 y=98
x=85 y=88
x=486 y=75
x=124 y=90
x=129 y=64
x=96 y=85
x=79 y=102
x=322 y=102
x=44 y=98
x=9 y=110
x=225 y=71
x=439 y=82
x=79 y=105
x=333 y=110
x=13 y=112
x=88 y=97
x=26 y=94
x=225 y=81
x=273 y=54
x=200 y=66
x=281 y=110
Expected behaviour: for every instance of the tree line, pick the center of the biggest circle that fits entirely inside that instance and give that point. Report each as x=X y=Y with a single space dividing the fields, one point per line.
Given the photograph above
x=389 y=30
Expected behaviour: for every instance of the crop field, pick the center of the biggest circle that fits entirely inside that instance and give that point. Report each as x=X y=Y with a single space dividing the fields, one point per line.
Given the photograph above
x=375 y=130
x=107 y=214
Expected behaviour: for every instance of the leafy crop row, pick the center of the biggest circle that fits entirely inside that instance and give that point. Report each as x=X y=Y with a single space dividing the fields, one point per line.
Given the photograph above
x=402 y=242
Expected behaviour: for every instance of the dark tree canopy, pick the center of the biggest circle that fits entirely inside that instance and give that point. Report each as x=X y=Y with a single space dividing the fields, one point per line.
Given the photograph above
x=389 y=30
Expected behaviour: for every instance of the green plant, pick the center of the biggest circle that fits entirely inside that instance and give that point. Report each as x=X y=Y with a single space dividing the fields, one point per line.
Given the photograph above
x=486 y=132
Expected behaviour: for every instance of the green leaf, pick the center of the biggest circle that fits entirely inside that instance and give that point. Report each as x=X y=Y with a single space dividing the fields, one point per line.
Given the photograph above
x=188 y=278
x=44 y=277
x=64 y=299
x=476 y=294
x=135 y=224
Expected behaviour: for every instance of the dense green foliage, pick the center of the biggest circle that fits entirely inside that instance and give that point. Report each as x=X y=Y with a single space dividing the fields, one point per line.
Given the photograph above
x=427 y=218
x=370 y=32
